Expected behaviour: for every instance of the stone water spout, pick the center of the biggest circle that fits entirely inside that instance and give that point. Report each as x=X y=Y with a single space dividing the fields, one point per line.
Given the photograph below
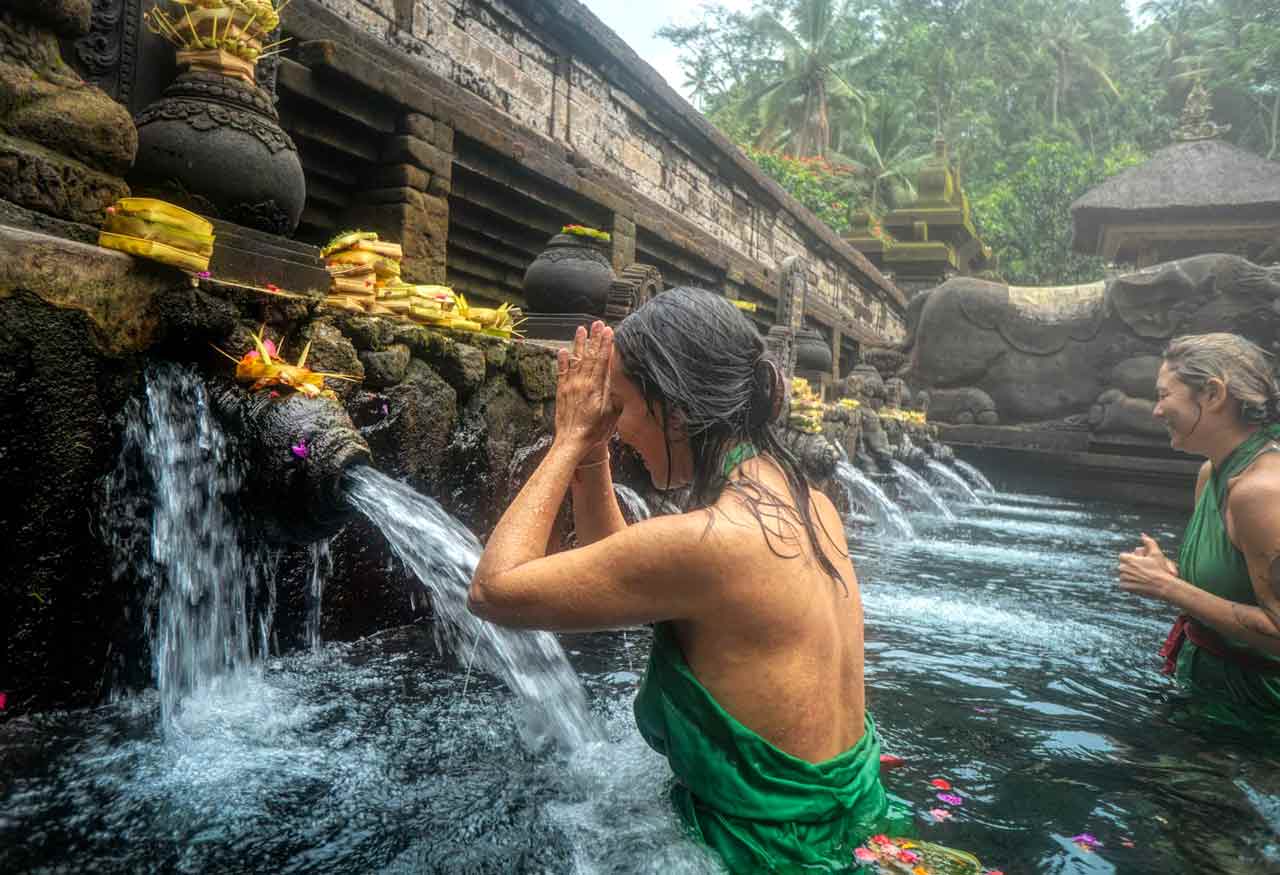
x=297 y=450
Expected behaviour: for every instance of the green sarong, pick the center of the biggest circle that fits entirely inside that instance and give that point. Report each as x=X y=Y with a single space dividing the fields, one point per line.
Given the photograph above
x=1207 y=662
x=761 y=809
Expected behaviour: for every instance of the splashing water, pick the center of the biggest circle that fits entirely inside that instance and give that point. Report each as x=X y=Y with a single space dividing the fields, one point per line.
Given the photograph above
x=201 y=583
x=950 y=481
x=321 y=568
x=865 y=494
x=443 y=554
x=976 y=478
x=920 y=491
x=632 y=503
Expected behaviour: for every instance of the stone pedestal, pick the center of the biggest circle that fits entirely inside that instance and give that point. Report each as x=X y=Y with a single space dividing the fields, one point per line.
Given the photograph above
x=64 y=145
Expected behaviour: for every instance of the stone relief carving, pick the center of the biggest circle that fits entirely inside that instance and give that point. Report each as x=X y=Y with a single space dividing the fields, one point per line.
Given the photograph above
x=987 y=352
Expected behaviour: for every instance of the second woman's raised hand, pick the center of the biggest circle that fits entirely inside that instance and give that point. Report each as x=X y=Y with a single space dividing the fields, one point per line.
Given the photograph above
x=585 y=411
x=1152 y=549
x=1146 y=571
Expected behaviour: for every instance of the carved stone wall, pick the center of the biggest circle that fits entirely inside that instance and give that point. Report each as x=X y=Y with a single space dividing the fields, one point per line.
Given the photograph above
x=559 y=74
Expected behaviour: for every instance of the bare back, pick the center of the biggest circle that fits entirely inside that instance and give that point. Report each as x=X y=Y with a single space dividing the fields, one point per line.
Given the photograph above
x=786 y=656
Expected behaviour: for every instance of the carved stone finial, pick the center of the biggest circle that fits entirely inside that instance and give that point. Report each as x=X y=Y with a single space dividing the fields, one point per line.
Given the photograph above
x=940 y=146
x=1195 y=124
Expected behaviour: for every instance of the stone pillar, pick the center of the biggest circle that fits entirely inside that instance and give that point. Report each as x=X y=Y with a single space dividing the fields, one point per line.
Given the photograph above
x=793 y=287
x=837 y=341
x=406 y=197
x=64 y=144
x=623 y=233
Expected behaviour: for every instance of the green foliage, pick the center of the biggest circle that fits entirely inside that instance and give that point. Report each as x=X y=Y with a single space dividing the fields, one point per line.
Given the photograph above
x=1017 y=87
x=815 y=182
x=1026 y=219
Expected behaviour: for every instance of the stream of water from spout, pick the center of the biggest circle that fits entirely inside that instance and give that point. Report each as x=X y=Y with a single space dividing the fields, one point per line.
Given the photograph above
x=951 y=481
x=916 y=486
x=864 y=493
x=202 y=585
x=321 y=567
x=442 y=553
x=976 y=478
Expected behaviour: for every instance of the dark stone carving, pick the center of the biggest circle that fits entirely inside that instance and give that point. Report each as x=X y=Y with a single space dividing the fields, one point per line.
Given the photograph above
x=110 y=45
x=634 y=286
x=215 y=143
x=63 y=144
x=572 y=275
x=296 y=500
x=793 y=288
x=1040 y=355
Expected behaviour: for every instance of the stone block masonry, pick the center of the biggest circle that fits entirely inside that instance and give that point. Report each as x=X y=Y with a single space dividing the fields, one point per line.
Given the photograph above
x=545 y=84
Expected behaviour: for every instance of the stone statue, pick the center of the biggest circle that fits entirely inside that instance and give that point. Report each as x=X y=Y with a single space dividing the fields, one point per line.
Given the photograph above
x=895 y=389
x=989 y=353
x=64 y=145
x=865 y=385
x=922 y=402
x=874 y=440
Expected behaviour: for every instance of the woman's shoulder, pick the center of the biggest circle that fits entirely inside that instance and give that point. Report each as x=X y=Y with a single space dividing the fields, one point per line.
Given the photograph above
x=1255 y=496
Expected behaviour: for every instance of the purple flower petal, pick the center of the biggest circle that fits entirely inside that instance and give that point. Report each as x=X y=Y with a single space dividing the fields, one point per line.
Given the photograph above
x=385 y=409
x=950 y=799
x=300 y=449
x=1086 y=839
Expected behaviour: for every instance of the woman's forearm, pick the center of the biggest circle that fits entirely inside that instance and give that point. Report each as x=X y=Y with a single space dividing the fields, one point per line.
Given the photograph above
x=525 y=528
x=1247 y=623
x=596 y=515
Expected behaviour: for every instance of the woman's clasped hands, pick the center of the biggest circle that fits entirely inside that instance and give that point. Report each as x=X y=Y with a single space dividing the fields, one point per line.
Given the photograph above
x=586 y=412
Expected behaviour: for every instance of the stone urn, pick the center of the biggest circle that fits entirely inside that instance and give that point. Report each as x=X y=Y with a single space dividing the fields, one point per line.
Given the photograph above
x=813 y=353
x=213 y=142
x=572 y=275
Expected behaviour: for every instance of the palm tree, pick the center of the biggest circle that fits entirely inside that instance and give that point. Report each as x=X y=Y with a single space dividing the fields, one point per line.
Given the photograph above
x=794 y=103
x=888 y=151
x=1180 y=29
x=1067 y=42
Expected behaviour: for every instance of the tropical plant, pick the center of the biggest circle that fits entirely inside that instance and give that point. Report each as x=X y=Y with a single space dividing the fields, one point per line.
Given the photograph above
x=889 y=149
x=1002 y=80
x=1067 y=42
x=794 y=103
x=822 y=186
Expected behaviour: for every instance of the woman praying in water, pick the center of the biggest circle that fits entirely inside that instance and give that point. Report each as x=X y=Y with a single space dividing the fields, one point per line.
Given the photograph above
x=754 y=688
x=1219 y=399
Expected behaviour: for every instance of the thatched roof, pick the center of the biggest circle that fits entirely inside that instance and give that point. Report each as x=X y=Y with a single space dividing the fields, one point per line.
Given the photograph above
x=1202 y=179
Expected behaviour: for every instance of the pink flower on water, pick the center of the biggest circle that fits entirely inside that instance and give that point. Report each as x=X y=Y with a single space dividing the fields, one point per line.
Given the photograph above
x=4 y=700
x=862 y=855
x=204 y=275
x=941 y=783
x=939 y=814
x=1086 y=840
x=300 y=449
x=950 y=799
x=910 y=857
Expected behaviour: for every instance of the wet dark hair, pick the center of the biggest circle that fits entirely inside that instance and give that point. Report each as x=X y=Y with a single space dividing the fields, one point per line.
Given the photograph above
x=698 y=361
